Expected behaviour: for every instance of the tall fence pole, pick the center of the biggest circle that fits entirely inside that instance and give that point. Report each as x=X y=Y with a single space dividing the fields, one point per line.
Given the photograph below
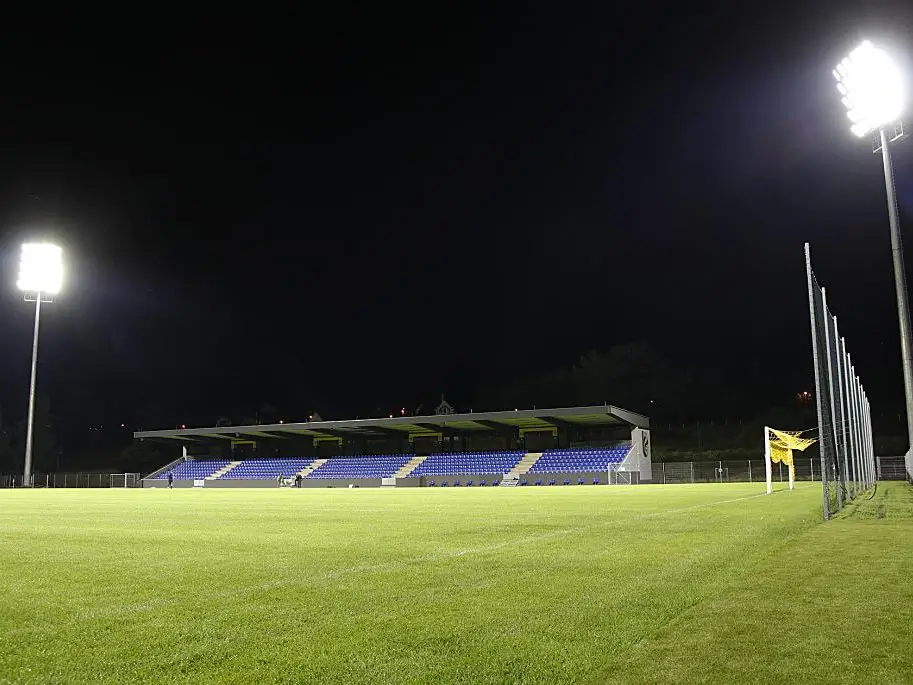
x=819 y=390
x=839 y=478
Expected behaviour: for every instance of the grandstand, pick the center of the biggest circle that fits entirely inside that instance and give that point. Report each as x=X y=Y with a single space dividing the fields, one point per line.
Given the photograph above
x=570 y=445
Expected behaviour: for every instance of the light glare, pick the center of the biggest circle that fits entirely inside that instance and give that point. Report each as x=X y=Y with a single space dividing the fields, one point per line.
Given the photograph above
x=41 y=268
x=872 y=87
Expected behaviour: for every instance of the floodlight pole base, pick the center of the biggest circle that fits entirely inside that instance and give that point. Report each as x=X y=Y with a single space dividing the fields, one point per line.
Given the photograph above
x=27 y=475
x=900 y=274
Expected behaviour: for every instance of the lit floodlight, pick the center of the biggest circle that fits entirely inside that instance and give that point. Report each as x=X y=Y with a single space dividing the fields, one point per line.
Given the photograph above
x=872 y=88
x=41 y=268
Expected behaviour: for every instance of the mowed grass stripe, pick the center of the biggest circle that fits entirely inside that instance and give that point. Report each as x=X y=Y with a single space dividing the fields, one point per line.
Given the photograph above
x=521 y=585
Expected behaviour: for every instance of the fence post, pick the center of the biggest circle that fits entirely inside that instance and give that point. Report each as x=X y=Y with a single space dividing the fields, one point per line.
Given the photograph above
x=749 y=470
x=664 y=472
x=692 y=471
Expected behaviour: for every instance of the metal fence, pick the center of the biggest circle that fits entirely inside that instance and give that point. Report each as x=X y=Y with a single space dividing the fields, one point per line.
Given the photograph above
x=844 y=414
x=891 y=468
x=741 y=471
x=73 y=480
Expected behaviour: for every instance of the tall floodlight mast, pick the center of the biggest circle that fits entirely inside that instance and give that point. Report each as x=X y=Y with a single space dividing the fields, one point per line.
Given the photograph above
x=873 y=92
x=40 y=276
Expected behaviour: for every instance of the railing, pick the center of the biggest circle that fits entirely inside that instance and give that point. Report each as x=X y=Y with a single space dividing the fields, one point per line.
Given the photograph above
x=166 y=467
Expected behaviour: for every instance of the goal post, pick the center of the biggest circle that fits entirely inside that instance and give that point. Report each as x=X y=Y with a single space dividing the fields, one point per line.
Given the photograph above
x=778 y=448
x=124 y=480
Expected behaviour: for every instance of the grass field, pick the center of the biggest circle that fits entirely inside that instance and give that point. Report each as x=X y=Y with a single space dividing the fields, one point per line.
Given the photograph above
x=647 y=584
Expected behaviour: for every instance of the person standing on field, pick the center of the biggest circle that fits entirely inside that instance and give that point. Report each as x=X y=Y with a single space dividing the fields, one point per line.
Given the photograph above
x=170 y=480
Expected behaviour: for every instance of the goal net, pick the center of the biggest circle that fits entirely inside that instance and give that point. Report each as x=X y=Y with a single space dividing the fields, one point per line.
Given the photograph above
x=778 y=449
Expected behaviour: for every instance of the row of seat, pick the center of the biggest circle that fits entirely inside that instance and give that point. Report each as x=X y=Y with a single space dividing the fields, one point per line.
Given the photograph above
x=382 y=466
x=460 y=463
x=195 y=469
x=266 y=468
x=469 y=483
x=578 y=460
x=388 y=465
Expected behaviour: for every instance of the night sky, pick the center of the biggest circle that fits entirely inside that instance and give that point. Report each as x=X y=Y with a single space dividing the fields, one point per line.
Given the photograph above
x=365 y=206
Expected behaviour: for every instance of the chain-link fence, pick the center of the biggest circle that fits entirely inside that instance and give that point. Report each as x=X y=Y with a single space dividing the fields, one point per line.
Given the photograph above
x=73 y=480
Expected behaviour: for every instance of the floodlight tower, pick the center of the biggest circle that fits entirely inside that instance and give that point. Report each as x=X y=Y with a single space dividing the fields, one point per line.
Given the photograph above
x=873 y=93
x=40 y=276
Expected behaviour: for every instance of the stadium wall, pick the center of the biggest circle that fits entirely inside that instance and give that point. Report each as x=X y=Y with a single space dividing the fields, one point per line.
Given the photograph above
x=267 y=483
x=423 y=481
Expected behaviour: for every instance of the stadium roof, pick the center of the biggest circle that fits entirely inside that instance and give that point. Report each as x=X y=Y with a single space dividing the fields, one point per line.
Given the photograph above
x=415 y=426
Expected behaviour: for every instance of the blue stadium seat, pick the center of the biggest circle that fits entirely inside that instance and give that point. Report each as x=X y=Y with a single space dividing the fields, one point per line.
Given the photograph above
x=580 y=459
x=266 y=468
x=470 y=463
x=194 y=469
x=369 y=466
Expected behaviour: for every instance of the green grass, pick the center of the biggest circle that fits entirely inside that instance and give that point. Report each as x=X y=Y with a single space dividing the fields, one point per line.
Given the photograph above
x=648 y=584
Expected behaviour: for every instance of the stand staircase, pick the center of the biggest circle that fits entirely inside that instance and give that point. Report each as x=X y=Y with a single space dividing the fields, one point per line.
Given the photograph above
x=222 y=471
x=409 y=467
x=308 y=470
x=525 y=464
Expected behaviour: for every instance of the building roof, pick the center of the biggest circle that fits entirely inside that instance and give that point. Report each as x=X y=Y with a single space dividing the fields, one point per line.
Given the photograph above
x=414 y=426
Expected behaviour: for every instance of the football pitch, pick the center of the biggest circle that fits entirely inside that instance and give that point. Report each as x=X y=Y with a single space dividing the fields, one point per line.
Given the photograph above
x=645 y=584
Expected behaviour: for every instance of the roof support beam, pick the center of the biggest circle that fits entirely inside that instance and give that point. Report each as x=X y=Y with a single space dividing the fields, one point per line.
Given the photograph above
x=560 y=423
x=435 y=428
x=499 y=427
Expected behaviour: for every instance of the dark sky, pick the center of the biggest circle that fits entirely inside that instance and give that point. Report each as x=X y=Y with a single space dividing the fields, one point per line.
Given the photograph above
x=365 y=206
